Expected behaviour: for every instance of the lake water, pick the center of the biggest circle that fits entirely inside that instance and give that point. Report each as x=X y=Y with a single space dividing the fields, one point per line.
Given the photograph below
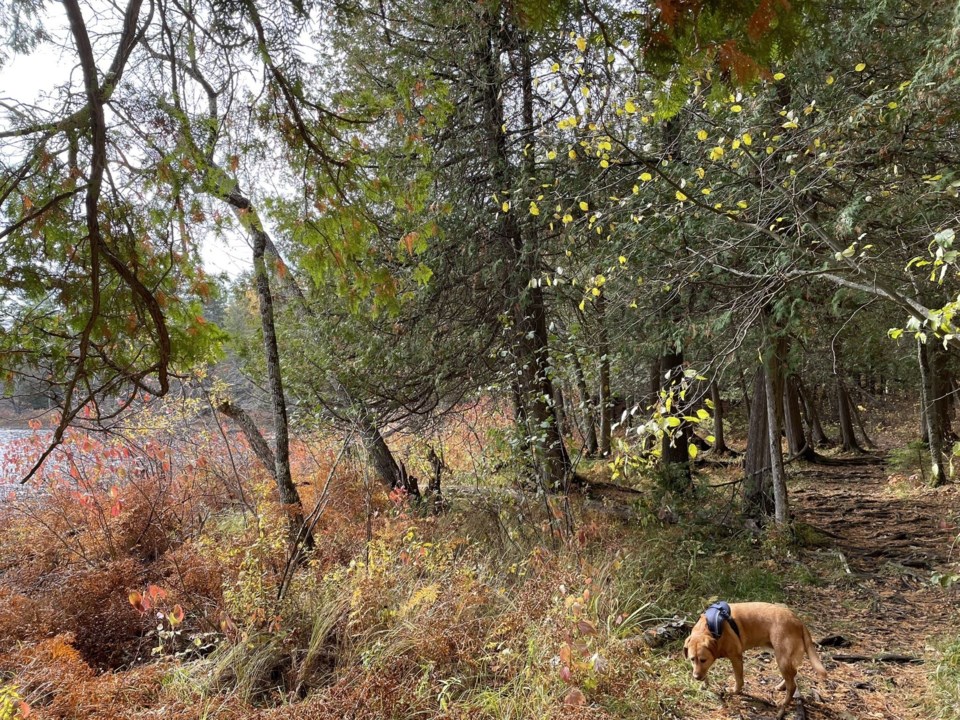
x=9 y=463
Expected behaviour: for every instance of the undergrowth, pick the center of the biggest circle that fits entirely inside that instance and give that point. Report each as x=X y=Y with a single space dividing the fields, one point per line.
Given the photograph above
x=946 y=682
x=124 y=592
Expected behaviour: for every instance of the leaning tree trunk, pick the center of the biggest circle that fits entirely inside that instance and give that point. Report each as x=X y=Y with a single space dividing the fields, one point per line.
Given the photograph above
x=848 y=437
x=757 y=484
x=931 y=417
x=674 y=447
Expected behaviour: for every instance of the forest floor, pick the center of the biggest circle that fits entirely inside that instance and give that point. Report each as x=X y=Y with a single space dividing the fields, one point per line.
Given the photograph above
x=875 y=585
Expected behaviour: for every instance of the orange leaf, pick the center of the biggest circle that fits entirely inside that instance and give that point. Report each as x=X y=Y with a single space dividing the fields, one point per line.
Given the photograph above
x=176 y=615
x=27 y=203
x=409 y=239
x=137 y=601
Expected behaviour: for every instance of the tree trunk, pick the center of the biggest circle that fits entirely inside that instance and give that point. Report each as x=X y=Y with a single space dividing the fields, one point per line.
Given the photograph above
x=930 y=415
x=258 y=444
x=772 y=375
x=603 y=348
x=719 y=445
x=757 y=485
x=747 y=405
x=560 y=408
x=848 y=438
x=674 y=447
x=942 y=382
x=797 y=443
x=288 y=491
x=589 y=427
x=520 y=244
x=814 y=426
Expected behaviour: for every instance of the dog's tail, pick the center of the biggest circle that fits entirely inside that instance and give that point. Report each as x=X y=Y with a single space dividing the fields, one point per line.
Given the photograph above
x=812 y=655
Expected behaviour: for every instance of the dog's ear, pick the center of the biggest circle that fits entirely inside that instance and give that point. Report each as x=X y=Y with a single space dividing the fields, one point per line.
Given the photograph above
x=686 y=651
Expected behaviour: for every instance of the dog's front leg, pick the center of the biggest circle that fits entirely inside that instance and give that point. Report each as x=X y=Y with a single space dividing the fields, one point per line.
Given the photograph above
x=737 y=662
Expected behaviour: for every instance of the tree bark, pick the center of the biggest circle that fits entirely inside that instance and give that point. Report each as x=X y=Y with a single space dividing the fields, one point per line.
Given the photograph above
x=589 y=424
x=719 y=444
x=288 y=491
x=757 y=485
x=560 y=408
x=797 y=441
x=848 y=438
x=258 y=444
x=778 y=479
x=606 y=402
x=812 y=416
x=930 y=415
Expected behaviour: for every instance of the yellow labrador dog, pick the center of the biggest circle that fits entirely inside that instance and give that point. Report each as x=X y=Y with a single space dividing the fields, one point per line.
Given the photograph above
x=725 y=631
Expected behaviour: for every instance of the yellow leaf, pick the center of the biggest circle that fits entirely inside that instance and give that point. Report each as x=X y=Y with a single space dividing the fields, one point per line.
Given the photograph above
x=735 y=144
x=534 y=210
x=622 y=259
x=829 y=79
x=584 y=206
x=585 y=91
x=646 y=177
x=555 y=67
x=505 y=207
x=701 y=135
x=604 y=163
x=742 y=204
x=568 y=218
x=735 y=108
x=716 y=153
x=581 y=44
x=636 y=189
x=747 y=139
x=892 y=105
x=630 y=107
x=692 y=449
x=572 y=154
x=860 y=67
x=680 y=196
x=779 y=76
x=706 y=191
x=552 y=155
x=595 y=292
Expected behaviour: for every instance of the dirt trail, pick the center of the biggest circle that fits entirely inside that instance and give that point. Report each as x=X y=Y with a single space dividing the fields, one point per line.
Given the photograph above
x=873 y=584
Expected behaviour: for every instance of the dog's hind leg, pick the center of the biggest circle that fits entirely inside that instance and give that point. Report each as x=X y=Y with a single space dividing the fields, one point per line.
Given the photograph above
x=788 y=669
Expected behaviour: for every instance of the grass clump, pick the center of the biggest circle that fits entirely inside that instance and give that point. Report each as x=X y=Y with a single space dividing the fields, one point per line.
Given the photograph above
x=946 y=683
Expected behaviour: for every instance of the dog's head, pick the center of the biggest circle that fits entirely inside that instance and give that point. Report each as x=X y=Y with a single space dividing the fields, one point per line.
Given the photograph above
x=701 y=651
